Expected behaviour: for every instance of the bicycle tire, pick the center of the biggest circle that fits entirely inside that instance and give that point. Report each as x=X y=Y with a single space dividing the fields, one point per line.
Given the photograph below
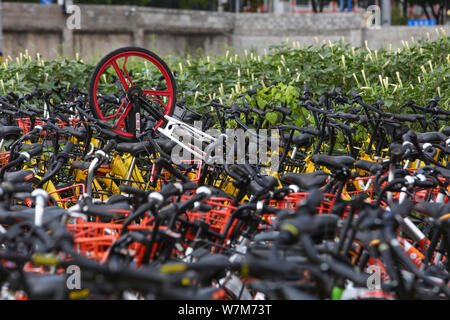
x=127 y=52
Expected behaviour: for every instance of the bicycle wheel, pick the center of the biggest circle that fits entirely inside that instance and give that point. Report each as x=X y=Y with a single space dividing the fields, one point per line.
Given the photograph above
x=123 y=70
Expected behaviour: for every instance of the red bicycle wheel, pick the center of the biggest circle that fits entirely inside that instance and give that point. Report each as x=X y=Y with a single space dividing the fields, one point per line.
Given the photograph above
x=125 y=68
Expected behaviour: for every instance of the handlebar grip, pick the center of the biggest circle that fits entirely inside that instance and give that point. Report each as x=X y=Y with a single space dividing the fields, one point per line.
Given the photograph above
x=131 y=190
x=257 y=111
x=171 y=189
x=51 y=125
x=36 y=130
x=346 y=127
x=348 y=116
x=426 y=184
x=190 y=186
x=347 y=272
x=98 y=210
x=109 y=99
x=354 y=110
x=7 y=105
x=322 y=100
x=434 y=101
x=411 y=136
x=163 y=163
x=63 y=117
x=68 y=147
x=105 y=124
x=404 y=209
x=12 y=94
x=314 y=200
x=36 y=92
x=199 y=196
x=110 y=145
x=168 y=211
x=442 y=117
x=23 y=187
x=285 y=111
x=310 y=106
x=6 y=111
x=9 y=188
x=355 y=94
x=80 y=100
x=252 y=92
x=35 y=110
x=36 y=150
x=274 y=210
x=441 y=111
x=25 y=112
x=216 y=104
x=63 y=156
x=408 y=117
x=48 y=93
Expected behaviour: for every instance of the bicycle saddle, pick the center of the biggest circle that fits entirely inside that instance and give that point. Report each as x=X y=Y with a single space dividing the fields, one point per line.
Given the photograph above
x=432 y=209
x=443 y=172
x=270 y=183
x=333 y=162
x=367 y=236
x=134 y=148
x=364 y=120
x=446 y=131
x=116 y=136
x=9 y=131
x=51 y=214
x=45 y=286
x=81 y=165
x=325 y=227
x=299 y=140
x=18 y=176
x=165 y=144
x=306 y=181
x=431 y=137
x=368 y=166
x=408 y=117
x=78 y=133
x=106 y=212
x=346 y=116
x=26 y=146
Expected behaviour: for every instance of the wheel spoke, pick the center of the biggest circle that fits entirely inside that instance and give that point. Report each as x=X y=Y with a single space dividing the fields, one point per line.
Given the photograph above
x=126 y=72
x=161 y=92
x=157 y=92
x=118 y=110
x=160 y=102
x=123 y=115
x=120 y=75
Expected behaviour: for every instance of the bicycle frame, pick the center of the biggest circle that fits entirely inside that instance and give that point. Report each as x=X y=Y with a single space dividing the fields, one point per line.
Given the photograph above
x=175 y=129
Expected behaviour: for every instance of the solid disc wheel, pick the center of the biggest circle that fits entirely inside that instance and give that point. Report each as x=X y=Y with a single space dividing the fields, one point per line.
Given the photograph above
x=126 y=68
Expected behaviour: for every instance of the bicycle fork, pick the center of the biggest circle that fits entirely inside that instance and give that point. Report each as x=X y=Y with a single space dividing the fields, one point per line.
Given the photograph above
x=175 y=129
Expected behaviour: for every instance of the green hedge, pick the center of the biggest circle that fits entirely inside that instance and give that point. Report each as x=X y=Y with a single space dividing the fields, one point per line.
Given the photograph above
x=415 y=72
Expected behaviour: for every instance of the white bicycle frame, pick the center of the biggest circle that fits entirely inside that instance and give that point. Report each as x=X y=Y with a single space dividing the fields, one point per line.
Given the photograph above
x=174 y=129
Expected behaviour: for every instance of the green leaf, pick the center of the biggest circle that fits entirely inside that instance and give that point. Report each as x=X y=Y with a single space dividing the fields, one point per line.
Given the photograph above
x=261 y=102
x=272 y=117
x=299 y=122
